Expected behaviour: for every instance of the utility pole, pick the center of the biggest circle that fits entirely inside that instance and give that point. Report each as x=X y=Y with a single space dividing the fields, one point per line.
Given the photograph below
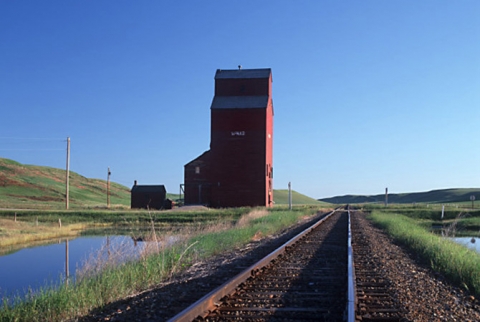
x=108 y=188
x=386 y=197
x=290 y=195
x=67 y=174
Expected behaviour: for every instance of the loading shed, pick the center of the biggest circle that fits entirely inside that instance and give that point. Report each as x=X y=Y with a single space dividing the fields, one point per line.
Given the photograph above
x=148 y=196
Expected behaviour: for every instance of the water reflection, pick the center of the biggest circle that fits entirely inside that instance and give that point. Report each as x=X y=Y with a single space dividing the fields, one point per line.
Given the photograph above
x=29 y=269
x=469 y=242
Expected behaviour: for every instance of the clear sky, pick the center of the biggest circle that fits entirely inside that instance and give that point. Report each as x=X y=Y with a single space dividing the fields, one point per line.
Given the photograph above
x=367 y=94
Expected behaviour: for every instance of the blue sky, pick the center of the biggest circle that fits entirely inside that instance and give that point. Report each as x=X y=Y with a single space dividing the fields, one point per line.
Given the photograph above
x=367 y=94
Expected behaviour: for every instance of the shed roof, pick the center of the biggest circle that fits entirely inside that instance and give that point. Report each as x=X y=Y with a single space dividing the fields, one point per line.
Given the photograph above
x=203 y=157
x=149 y=188
x=243 y=73
x=225 y=102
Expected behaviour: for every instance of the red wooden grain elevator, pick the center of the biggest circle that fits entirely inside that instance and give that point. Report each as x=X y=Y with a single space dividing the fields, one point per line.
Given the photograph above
x=238 y=169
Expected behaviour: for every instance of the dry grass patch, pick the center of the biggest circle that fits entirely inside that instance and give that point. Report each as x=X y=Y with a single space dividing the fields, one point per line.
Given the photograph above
x=258 y=236
x=254 y=214
x=16 y=232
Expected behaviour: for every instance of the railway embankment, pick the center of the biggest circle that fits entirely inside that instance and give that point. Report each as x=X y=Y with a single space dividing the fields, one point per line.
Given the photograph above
x=420 y=293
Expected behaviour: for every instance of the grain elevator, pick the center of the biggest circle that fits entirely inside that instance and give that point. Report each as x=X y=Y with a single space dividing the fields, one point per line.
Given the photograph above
x=238 y=169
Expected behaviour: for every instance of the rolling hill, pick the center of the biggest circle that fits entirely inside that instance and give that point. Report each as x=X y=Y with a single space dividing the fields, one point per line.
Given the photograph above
x=433 y=196
x=38 y=187
x=281 y=198
x=30 y=186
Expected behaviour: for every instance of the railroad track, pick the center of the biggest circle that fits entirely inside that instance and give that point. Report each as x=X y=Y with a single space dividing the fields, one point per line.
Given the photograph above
x=310 y=278
x=375 y=300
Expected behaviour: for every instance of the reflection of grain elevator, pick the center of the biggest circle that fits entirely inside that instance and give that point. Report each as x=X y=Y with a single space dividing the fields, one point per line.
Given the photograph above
x=238 y=168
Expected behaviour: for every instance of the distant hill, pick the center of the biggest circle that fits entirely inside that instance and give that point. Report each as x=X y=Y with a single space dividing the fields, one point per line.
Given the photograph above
x=433 y=196
x=29 y=186
x=281 y=198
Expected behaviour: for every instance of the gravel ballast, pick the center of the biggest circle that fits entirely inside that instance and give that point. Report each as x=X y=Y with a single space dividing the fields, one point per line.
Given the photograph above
x=424 y=294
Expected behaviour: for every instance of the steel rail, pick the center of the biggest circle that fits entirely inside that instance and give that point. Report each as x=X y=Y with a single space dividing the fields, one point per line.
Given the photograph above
x=352 y=299
x=210 y=301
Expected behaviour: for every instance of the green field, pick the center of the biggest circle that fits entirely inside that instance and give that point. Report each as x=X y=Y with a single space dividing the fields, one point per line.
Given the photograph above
x=28 y=186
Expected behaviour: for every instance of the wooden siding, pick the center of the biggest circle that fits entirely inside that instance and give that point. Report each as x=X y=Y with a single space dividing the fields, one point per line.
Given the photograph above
x=239 y=166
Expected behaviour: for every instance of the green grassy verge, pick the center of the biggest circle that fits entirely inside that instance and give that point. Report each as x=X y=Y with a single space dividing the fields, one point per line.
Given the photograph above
x=457 y=263
x=431 y=212
x=117 y=282
x=467 y=221
x=278 y=219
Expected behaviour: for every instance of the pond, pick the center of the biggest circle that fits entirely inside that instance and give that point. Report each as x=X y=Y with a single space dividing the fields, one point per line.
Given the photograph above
x=29 y=269
x=470 y=242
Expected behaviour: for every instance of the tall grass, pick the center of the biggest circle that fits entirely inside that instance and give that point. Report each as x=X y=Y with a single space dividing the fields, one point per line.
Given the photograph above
x=122 y=217
x=20 y=232
x=114 y=282
x=459 y=264
x=423 y=211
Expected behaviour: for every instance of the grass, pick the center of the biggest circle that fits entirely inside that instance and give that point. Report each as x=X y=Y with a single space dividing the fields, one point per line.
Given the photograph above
x=117 y=282
x=459 y=264
x=118 y=217
x=28 y=186
x=428 y=215
x=250 y=226
x=12 y=233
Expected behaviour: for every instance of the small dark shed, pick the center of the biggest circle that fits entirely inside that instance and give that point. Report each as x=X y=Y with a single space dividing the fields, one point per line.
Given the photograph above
x=148 y=196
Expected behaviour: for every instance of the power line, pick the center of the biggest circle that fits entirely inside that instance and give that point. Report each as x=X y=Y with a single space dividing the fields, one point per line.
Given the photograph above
x=32 y=149
x=17 y=146
x=37 y=139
